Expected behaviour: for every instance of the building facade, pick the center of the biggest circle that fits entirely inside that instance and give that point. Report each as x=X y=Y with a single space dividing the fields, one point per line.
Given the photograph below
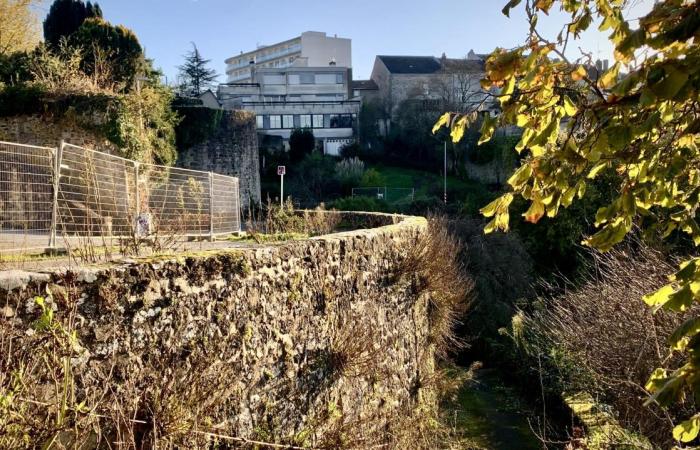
x=319 y=98
x=310 y=49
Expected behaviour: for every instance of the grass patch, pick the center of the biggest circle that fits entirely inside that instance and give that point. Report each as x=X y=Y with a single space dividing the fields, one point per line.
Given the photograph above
x=258 y=238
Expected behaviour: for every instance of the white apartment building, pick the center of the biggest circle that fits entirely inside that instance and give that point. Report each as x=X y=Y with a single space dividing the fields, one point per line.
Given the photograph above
x=310 y=49
x=299 y=97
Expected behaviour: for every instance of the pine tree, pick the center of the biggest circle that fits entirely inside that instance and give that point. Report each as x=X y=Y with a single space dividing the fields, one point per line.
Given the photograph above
x=65 y=17
x=195 y=75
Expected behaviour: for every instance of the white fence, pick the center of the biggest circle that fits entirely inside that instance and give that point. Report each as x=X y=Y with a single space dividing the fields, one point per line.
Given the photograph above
x=50 y=196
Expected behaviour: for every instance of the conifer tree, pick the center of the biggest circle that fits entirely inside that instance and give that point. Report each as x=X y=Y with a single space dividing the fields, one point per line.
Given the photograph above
x=195 y=74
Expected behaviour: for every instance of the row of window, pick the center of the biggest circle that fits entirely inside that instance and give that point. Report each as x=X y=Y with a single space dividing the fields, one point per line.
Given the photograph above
x=303 y=78
x=290 y=121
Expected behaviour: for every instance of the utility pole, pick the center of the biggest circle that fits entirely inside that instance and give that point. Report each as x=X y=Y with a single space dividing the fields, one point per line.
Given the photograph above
x=445 y=173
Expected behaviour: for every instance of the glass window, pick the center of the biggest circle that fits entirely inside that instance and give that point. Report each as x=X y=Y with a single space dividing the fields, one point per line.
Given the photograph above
x=327 y=78
x=287 y=121
x=341 y=121
x=275 y=121
x=318 y=120
x=259 y=122
x=305 y=121
x=273 y=79
x=339 y=78
x=306 y=78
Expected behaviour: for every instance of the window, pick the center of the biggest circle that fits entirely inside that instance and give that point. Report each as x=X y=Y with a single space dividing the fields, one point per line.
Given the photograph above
x=301 y=78
x=305 y=121
x=259 y=122
x=328 y=78
x=288 y=121
x=275 y=122
x=318 y=121
x=341 y=121
x=273 y=78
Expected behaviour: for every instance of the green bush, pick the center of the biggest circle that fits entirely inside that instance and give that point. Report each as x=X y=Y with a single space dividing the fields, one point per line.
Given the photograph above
x=359 y=204
x=197 y=125
x=372 y=178
x=109 y=51
x=21 y=99
x=301 y=143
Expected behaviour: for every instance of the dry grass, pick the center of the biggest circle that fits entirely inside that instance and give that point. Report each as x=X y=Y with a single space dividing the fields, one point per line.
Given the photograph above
x=435 y=262
x=606 y=340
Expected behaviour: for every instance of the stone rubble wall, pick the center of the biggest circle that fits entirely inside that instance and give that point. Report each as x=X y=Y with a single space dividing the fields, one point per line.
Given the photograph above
x=231 y=150
x=36 y=130
x=272 y=319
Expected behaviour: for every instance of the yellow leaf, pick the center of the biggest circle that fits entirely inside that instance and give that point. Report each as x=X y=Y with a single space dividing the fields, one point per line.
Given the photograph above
x=569 y=106
x=688 y=430
x=444 y=120
x=520 y=176
x=458 y=129
x=609 y=78
x=579 y=74
x=596 y=169
x=660 y=297
x=535 y=212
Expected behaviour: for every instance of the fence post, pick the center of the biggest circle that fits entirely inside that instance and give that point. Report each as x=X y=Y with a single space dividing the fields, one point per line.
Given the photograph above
x=137 y=194
x=211 y=206
x=58 y=155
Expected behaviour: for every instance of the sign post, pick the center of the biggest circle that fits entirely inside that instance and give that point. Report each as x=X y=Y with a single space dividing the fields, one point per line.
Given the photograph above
x=281 y=170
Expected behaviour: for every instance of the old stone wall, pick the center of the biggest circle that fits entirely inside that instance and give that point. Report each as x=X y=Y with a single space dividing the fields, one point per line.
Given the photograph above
x=313 y=342
x=36 y=130
x=232 y=149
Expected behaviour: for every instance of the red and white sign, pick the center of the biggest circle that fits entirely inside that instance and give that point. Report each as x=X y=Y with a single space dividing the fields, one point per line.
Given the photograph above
x=281 y=170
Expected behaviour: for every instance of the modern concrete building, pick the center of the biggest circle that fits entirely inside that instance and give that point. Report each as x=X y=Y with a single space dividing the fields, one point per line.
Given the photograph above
x=310 y=49
x=319 y=98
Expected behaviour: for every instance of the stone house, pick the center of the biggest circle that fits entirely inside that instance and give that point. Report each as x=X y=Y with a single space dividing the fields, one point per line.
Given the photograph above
x=438 y=83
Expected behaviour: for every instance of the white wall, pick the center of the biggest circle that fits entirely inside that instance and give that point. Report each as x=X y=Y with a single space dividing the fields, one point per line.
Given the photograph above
x=319 y=49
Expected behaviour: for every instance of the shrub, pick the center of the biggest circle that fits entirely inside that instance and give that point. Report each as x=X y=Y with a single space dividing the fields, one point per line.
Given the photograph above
x=65 y=17
x=599 y=338
x=372 y=178
x=349 y=171
x=301 y=143
x=368 y=204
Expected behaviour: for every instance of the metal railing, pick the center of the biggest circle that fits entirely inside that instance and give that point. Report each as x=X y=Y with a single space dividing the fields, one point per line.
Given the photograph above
x=388 y=194
x=49 y=196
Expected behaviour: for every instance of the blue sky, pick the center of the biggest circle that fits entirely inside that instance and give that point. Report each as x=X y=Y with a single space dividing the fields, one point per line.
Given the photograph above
x=223 y=28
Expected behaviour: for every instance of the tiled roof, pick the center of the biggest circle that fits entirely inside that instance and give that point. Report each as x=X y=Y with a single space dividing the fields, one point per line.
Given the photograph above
x=411 y=64
x=364 y=85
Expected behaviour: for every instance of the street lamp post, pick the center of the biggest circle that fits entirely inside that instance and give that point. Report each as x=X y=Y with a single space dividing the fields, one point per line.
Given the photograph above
x=445 y=174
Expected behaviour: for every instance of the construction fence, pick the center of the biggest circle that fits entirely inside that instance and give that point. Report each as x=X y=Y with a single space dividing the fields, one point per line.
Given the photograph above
x=51 y=196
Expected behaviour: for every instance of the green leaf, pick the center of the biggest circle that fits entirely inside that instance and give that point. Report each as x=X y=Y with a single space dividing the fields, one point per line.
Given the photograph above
x=673 y=81
x=520 y=176
x=688 y=430
x=689 y=328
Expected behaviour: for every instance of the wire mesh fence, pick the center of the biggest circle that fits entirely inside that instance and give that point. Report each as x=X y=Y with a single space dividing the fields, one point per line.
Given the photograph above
x=388 y=194
x=50 y=197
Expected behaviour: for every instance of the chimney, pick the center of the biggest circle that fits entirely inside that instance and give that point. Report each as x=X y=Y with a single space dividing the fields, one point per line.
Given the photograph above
x=332 y=62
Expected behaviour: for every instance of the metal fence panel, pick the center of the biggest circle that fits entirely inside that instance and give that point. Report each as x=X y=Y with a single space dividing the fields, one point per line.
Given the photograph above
x=26 y=195
x=51 y=197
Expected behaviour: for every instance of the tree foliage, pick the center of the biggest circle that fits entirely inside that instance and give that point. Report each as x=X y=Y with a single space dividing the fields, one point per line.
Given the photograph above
x=640 y=120
x=195 y=74
x=109 y=49
x=65 y=17
x=301 y=143
x=18 y=26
